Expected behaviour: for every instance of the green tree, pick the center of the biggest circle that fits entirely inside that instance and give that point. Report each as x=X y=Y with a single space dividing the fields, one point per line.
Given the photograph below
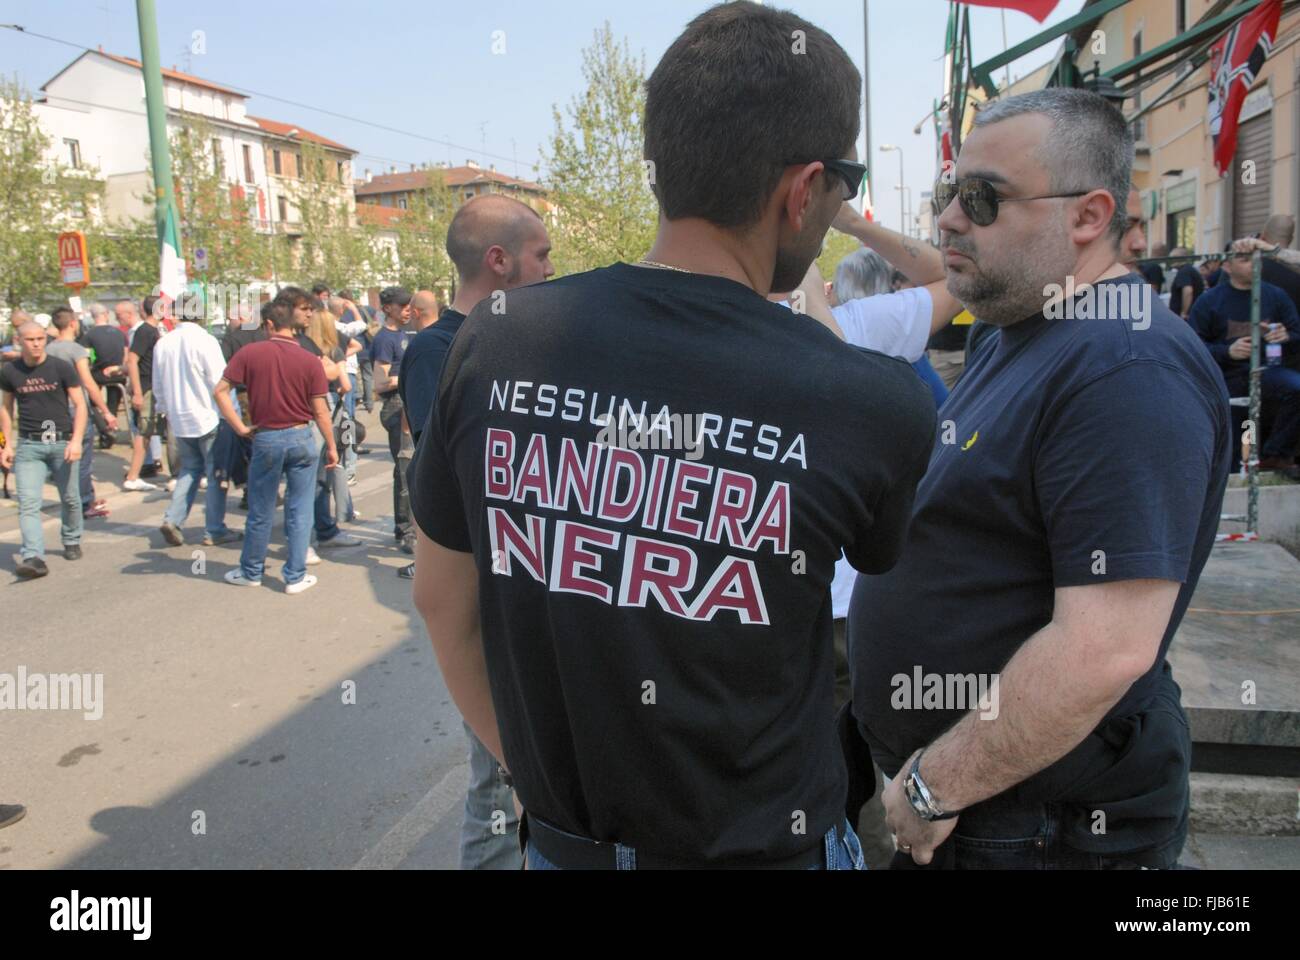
x=838 y=246
x=422 y=261
x=39 y=199
x=332 y=244
x=606 y=211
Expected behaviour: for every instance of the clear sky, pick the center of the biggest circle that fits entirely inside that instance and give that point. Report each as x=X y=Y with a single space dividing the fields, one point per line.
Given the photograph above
x=426 y=67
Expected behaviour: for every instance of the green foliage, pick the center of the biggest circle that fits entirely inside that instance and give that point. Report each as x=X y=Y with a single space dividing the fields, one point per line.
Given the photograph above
x=330 y=246
x=421 y=230
x=39 y=199
x=598 y=181
x=838 y=246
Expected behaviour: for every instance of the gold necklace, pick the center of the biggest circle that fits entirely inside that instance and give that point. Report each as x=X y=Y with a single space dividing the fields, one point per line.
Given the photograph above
x=661 y=266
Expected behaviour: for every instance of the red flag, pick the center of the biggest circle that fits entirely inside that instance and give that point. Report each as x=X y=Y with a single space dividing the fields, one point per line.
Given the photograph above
x=1235 y=61
x=1040 y=10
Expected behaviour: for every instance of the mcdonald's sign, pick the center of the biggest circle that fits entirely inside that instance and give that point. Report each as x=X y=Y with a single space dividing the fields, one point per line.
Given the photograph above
x=74 y=264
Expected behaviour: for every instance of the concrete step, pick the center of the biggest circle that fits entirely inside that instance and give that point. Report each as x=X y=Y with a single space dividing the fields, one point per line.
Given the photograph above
x=1250 y=806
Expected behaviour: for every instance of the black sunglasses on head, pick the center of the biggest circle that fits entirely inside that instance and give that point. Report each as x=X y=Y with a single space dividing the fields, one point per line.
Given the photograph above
x=979 y=199
x=850 y=171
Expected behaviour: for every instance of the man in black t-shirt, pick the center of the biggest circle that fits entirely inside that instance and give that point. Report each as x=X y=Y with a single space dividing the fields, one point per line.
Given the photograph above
x=1010 y=673
x=1188 y=284
x=51 y=421
x=139 y=369
x=636 y=482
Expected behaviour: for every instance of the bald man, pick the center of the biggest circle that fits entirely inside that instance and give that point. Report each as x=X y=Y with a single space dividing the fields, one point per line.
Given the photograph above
x=51 y=414
x=424 y=310
x=1134 y=242
x=497 y=244
x=12 y=350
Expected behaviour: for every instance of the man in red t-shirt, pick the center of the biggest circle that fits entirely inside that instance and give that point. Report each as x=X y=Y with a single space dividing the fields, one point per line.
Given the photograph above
x=286 y=392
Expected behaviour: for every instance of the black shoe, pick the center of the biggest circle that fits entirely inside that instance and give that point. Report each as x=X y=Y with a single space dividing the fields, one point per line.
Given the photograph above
x=32 y=569
x=407 y=547
x=172 y=534
x=72 y=552
x=11 y=813
x=407 y=573
x=150 y=470
x=243 y=503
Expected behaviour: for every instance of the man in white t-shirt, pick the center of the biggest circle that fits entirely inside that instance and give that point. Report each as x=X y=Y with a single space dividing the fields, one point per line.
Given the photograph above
x=187 y=366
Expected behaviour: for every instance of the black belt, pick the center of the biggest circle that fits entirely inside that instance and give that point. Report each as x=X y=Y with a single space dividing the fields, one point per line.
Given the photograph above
x=39 y=437
x=575 y=853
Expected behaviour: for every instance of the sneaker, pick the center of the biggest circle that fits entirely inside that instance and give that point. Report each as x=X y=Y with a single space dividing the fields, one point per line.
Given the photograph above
x=340 y=542
x=352 y=481
x=96 y=511
x=355 y=518
x=302 y=586
x=313 y=558
x=33 y=568
x=243 y=502
x=150 y=470
x=11 y=813
x=407 y=573
x=407 y=547
x=221 y=539
x=236 y=578
x=171 y=485
x=72 y=552
x=139 y=486
x=203 y=483
x=172 y=534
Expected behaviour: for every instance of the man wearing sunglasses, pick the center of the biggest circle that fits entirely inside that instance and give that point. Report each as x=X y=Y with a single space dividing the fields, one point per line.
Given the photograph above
x=641 y=633
x=1060 y=529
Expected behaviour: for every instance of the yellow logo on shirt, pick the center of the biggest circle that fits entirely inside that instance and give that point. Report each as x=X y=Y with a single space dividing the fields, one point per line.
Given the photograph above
x=971 y=442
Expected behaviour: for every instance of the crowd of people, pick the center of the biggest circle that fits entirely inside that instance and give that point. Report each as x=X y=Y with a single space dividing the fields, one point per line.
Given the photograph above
x=686 y=651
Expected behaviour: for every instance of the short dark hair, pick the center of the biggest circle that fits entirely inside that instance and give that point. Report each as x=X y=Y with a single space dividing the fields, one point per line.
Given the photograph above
x=62 y=318
x=266 y=310
x=149 y=304
x=319 y=287
x=742 y=94
x=293 y=296
x=395 y=296
x=345 y=295
x=282 y=314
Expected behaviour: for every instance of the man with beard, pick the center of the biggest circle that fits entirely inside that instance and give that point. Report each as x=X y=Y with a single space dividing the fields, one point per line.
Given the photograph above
x=634 y=614
x=1010 y=672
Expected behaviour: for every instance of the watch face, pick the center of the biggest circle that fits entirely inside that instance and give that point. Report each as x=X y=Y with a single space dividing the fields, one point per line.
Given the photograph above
x=914 y=798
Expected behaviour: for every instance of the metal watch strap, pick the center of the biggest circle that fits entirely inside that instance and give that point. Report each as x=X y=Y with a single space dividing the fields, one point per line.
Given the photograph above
x=920 y=798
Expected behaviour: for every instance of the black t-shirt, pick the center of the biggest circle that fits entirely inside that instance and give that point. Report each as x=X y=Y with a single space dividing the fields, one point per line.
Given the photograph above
x=422 y=366
x=237 y=337
x=659 y=643
x=43 y=393
x=109 y=346
x=142 y=344
x=308 y=344
x=1187 y=276
x=1081 y=452
x=1155 y=275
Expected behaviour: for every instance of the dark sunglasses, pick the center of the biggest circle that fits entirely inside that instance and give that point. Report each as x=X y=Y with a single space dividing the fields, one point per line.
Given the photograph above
x=979 y=199
x=849 y=171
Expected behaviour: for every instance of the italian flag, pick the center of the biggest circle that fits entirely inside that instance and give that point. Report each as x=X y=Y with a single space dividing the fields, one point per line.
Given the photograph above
x=172 y=276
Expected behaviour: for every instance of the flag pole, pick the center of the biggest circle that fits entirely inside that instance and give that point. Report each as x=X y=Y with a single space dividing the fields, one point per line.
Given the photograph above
x=171 y=266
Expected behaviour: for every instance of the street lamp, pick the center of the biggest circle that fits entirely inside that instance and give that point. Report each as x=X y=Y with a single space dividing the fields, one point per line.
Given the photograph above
x=902 y=217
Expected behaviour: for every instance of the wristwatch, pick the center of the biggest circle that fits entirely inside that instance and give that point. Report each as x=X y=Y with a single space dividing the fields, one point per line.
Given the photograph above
x=920 y=797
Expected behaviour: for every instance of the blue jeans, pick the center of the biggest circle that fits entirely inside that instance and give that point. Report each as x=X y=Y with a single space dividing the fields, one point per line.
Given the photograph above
x=489 y=835
x=33 y=462
x=196 y=463
x=1279 y=391
x=87 y=464
x=327 y=525
x=843 y=852
x=280 y=453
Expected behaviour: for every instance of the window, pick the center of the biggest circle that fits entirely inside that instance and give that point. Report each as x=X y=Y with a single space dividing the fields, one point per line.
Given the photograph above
x=339 y=165
x=248 y=164
x=320 y=168
x=297 y=165
x=74 y=153
x=1180 y=16
x=1139 y=125
x=284 y=209
x=218 y=167
x=1180 y=219
x=401 y=202
x=275 y=161
x=469 y=194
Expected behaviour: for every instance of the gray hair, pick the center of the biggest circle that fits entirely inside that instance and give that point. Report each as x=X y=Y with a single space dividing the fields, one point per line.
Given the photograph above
x=1090 y=146
x=863 y=273
x=97 y=309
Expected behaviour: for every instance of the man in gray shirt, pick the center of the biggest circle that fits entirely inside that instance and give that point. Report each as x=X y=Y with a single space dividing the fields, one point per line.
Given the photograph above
x=66 y=329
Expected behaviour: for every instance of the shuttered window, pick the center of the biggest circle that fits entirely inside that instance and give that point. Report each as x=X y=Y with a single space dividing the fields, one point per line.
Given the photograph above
x=1252 y=203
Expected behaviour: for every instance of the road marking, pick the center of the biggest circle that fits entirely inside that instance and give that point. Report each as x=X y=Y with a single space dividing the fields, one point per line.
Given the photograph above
x=397 y=844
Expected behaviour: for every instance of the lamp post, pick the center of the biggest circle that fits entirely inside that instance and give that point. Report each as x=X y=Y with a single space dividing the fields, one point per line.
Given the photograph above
x=902 y=215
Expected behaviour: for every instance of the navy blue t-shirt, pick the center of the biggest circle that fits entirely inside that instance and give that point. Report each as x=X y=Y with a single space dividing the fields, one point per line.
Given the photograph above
x=390 y=347
x=1222 y=316
x=1187 y=276
x=1072 y=452
x=423 y=368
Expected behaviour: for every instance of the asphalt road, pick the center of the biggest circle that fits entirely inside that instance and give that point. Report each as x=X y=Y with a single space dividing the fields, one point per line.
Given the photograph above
x=225 y=740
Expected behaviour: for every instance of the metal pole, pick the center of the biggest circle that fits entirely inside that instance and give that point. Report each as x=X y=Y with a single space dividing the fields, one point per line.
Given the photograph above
x=1256 y=376
x=866 y=94
x=171 y=266
x=902 y=215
